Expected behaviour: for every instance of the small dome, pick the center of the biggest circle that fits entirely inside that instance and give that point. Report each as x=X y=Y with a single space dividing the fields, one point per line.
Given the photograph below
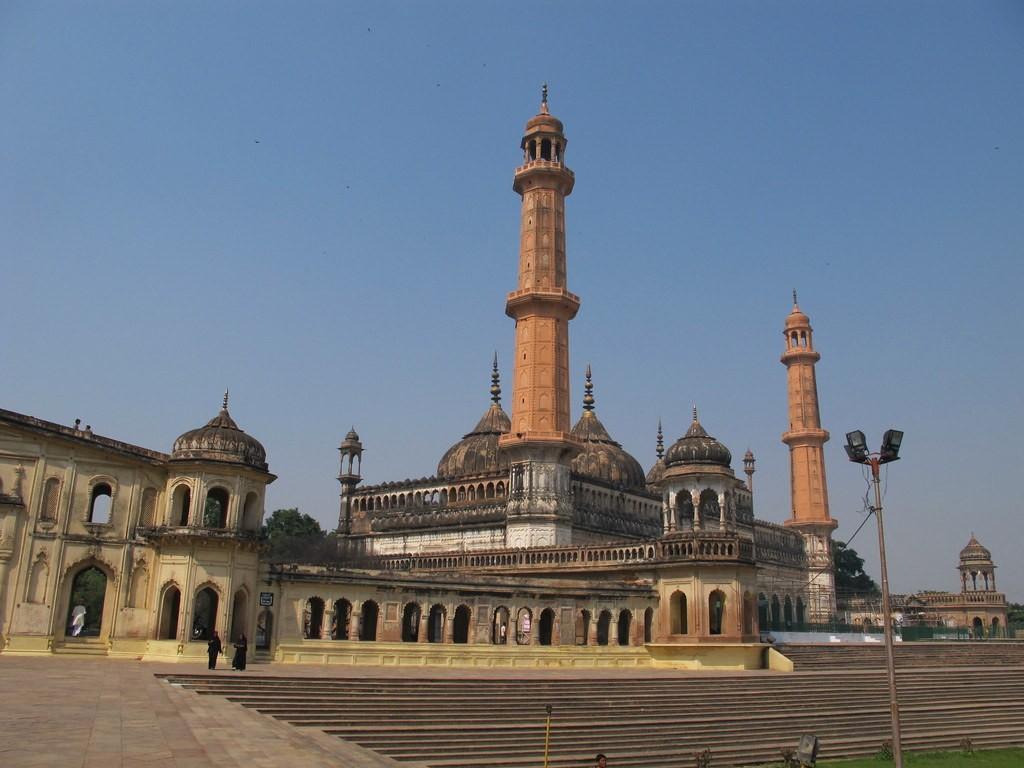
x=220 y=440
x=544 y=120
x=974 y=552
x=351 y=440
x=477 y=452
x=602 y=458
x=697 y=447
x=657 y=472
x=796 y=318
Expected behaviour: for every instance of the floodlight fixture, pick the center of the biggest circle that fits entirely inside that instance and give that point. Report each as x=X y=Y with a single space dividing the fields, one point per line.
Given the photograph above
x=856 y=447
x=890 y=446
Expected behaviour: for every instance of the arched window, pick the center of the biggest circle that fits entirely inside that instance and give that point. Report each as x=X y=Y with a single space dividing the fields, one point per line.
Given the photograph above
x=545 y=149
x=684 y=510
x=264 y=629
x=251 y=512
x=204 y=615
x=170 y=607
x=648 y=625
x=342 y=617
x=460 y=626
x=716 y=611
x=38 y=579
x=677 y=605
x=239 y=615
x=139 y=586
x=604 y=621
x=51 y=497
x=524 y=626
x=709 y=510
x=625 y=620
x=99 y=503
x=368 y=621
x=411 y=623
x=147 y=511
x=499 y=627
x=435 y=624
x=583 y=627
x=313 y=619
x=547 y=623
x=181 y=501
x=215 y=513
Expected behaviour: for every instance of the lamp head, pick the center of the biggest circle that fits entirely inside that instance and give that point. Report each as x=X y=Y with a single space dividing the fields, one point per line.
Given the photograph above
x=890 y=446
x=856 y=446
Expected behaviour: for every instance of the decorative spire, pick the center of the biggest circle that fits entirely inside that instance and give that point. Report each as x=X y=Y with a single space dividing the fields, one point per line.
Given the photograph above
x=695 y=413
x=794 y=297
x=588 y=397
x=224 y=405
x=544 y=99
x=660 y=450
x=495 y=382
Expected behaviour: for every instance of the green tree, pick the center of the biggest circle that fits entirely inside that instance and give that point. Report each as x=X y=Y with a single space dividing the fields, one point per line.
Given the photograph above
x=850 y=576
x=291 y=523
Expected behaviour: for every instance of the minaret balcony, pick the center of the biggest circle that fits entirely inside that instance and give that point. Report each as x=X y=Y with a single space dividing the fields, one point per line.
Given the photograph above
x=542 y=301
x=553 y=165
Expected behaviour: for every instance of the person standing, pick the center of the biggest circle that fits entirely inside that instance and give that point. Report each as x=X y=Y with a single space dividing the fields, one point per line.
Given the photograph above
x=213 y=649
x=601 y=761
x=241 y=647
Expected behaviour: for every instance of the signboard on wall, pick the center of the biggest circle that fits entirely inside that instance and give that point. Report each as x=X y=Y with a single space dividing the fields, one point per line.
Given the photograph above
x=266 y=599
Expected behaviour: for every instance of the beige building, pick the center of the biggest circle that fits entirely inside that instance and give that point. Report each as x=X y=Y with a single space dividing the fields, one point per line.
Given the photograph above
x=535 y=541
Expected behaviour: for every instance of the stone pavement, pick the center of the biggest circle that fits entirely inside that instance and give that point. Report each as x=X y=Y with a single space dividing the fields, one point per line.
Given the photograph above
x=98 y=712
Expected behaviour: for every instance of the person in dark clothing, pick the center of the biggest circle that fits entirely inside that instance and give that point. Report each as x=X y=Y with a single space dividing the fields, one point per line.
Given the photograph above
x=241 y=646
x=213 y=649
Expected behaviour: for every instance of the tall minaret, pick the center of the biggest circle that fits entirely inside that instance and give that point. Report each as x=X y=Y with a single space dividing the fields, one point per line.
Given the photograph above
x=539 y=446
x=806 y=440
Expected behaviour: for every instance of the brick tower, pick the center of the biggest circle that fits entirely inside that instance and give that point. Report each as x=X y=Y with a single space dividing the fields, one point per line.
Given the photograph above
x=539 y=446
x=806 y=440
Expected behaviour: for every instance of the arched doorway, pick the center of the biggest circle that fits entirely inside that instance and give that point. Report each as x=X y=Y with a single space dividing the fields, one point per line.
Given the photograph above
x=978 y=627
x=801 y=614
x=524 y=625
x=547 y=622
x=648 y=625
x=435 y=624
x=170 y=607
x=313 y=619
x=677 y=605
x=411 y=623
x=583 y=627
x=625 y=620
x=787 y=613
x=342 y=617
x=239 y=617
x=748 y=613
x=460 y=625
x=204 y=614
x=604 y=621
x=499 y=627
x=85 y=604
x=368 y=621
x=776 y=613
x=995 y=628
x=264 y=628
x=716 y=612
x=763 y=622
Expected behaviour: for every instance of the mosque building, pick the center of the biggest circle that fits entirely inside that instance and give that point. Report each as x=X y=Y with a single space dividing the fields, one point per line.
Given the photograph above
x=536 y=541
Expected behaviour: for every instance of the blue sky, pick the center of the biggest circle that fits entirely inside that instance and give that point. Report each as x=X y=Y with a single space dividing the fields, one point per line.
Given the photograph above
x=311 y=204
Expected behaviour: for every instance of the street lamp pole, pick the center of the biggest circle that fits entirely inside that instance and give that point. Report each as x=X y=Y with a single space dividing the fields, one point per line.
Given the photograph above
x=856 y=449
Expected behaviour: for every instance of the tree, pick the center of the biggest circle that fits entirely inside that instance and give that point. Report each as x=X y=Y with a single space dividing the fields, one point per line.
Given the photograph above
x=850 y=576
x=291 y=523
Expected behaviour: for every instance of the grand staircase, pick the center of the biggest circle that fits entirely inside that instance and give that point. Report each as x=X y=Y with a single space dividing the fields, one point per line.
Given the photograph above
x=646 y=721
x=915 y=654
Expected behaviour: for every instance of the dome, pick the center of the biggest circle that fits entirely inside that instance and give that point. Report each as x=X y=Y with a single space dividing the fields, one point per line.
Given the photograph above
x=351 y=441
x=602 y=458
x=544 y=120
x=697 y=447
x=796 y=318
x=975 y=552
x=477 y=452
x=220 y=440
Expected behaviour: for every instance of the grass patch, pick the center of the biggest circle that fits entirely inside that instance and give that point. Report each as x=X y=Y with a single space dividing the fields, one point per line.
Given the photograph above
x=989 y=758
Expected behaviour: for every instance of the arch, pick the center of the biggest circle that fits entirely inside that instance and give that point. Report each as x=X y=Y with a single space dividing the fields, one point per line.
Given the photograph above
x=489 y=491
x=460 y=624
x=625 y=621
x=411 y=622
x=648 y=625
x=313 y=619
x=545 y=149
x=531 y=149
x=138 y=587
x=684 y=510
x=204 y=613
x=748 y=613
x=787 y=613
x=51 y=498
x=583 y=627
x=801 y=613
x=368 y=620
x=978 y=627
x=524 y=626
x=239 y=614
x=499 y=626
x=678 y=608
x=170 y=609
x=546 y=626
x=776 y=614
x=604 y=621
x=215 y=511
x=181 y=503
x=763 y=622
x=709 y=509
x=101 y=499
x=435 y=623
x=147 y=510
x=499 y=489
x=264 y=629
x=716 y=612
x=38 y=578
x=342 y=619
x=251 y=512
x=85 y=606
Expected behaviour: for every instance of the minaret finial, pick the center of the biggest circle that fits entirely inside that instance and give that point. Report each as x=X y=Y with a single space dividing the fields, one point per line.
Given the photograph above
x=495 y=382
x=224 y=405
x=794 y=297
x=588 y=396
x=544 y=99
x=695 y=412
x=661 y=442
